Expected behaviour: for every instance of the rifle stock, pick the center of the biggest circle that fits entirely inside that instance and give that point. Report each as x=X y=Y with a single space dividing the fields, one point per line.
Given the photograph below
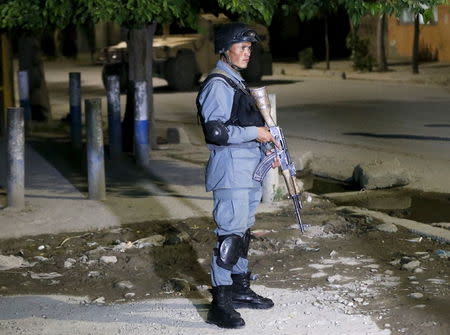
x=263 y=104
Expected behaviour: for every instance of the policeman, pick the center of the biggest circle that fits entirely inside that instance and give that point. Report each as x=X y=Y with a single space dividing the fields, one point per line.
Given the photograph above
x=233 y=129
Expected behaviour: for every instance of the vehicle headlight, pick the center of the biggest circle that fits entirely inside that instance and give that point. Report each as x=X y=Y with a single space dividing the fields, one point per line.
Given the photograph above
x=114 y=56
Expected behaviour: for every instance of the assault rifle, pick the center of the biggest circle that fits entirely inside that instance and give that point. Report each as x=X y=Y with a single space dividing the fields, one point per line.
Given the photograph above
x=287 y=166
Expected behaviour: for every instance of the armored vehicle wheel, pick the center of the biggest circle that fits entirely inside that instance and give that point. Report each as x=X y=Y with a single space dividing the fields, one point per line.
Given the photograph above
x=182 y=72
x=254 y=70
x=118 y=69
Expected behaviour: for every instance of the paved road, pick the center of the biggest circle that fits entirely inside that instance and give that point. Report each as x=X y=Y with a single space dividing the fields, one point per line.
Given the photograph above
x=341 y=122
x=406 y=118
x=345 y=122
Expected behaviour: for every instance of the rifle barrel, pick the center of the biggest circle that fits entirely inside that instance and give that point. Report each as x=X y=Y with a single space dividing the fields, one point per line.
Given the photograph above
x=297 y=209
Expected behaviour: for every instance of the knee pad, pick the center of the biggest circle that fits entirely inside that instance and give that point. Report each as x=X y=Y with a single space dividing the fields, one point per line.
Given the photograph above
x=245 y=244
x=229 y=251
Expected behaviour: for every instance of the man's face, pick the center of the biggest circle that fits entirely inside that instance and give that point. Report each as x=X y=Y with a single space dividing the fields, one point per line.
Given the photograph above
x=239 y=54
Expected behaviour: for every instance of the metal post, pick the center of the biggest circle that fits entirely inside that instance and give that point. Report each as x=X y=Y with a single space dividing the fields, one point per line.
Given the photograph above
x=75 y=110
x=16 y=158
x=95 y=155
x=270 y=183
x=114 y=126
x=141 y=125
x=24 y=98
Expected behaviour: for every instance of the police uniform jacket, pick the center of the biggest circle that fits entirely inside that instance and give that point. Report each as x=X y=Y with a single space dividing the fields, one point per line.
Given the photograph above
x=231 y=165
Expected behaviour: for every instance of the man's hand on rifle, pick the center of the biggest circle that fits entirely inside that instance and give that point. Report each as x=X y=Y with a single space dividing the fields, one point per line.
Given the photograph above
x=265 y=136
x=276 y=162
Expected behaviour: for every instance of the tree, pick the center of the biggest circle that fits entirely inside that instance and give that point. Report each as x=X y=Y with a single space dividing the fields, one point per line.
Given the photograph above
x=27 y=19
x=139 y=18
x=356 y=10
x=308 y=9
x=251 y=11
x=383 y=8
x=381 y=47
x=417 y=8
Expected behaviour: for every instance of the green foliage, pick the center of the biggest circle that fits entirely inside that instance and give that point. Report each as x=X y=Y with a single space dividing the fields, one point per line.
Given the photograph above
x=357 y=9
x=251 y=10
x=306 y=58
x=361 y=56
x=40 y=14
x=395 y=7
x=135 y=13
x=309 y=9
x=35 y=14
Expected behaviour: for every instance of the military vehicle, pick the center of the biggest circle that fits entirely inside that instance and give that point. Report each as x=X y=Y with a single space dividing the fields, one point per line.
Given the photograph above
x=182 y=59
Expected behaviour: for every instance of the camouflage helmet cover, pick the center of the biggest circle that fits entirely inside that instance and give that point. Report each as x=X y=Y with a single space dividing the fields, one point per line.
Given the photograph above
x=230 y=33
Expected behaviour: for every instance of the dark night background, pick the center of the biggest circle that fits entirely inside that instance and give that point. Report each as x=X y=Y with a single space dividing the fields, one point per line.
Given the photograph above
x=289 y=35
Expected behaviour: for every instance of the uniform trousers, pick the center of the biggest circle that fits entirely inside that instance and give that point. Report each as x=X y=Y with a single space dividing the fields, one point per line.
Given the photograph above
x=234 y=213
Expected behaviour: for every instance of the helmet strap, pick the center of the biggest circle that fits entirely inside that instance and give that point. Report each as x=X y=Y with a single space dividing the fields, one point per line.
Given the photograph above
x=228 y=61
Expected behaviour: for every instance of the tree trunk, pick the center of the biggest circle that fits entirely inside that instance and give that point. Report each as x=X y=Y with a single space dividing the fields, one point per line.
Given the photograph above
x=7 y=79
x=140 y=68
x=327 y=44
x=381 y=48
x=48 y=44
x=415 y=50
x=88 y=30
x=353 y=34
x=30 y=60
x=68 y=41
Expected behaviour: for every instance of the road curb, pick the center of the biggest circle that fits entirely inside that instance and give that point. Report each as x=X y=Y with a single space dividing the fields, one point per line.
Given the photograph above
x=435 y=233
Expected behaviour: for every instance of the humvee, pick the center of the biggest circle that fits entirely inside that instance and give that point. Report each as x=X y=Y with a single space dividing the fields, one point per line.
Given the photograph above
x=182 y=59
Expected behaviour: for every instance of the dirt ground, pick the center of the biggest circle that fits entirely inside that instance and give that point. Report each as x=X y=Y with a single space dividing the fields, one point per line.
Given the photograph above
x=362 y=267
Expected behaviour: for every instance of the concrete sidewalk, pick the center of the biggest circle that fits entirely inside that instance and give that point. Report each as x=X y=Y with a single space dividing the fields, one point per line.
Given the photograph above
x=174 y=190
x=52 y=203
x=431 y=73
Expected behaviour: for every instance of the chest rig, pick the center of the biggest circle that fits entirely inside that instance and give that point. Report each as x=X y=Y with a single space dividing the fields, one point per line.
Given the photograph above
x=244 y=112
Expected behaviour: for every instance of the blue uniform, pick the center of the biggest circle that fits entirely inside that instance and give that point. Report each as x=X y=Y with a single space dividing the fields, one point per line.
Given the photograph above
x=230 y=169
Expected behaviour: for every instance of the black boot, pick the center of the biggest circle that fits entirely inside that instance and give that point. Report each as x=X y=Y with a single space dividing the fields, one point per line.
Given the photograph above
x=222 y=313
x=244 y=297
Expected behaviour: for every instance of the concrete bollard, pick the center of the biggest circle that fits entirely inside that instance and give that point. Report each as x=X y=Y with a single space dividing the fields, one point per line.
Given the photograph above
x=141 y=124
x=2 y=123
x=270 y=183
x=24 y=98
x=75 y=110
x=95 y=155
x=16 y=158
x=114 y=126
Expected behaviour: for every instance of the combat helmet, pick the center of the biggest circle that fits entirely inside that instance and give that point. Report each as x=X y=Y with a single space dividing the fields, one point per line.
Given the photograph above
x=230 y=33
